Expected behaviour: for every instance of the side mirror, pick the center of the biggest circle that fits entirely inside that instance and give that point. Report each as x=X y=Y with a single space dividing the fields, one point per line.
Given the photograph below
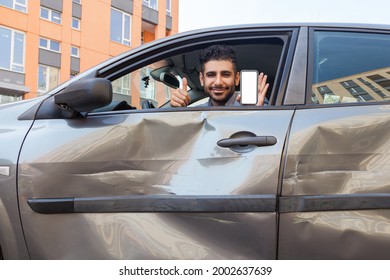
x=86 y=95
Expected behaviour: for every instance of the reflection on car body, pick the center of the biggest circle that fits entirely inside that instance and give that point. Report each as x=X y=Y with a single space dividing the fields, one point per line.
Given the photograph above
x=103 y=168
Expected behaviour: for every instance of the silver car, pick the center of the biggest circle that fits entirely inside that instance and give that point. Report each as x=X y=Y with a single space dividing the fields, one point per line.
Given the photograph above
x=103 y=168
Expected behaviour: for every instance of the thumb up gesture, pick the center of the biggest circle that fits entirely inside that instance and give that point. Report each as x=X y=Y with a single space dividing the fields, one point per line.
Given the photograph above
x=179 y=96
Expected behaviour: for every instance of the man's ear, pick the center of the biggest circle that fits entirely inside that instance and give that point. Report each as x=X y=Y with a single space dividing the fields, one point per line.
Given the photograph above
x=201 y=79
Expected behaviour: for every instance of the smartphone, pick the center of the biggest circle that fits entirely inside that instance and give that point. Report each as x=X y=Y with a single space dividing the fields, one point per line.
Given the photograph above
x=248 y=87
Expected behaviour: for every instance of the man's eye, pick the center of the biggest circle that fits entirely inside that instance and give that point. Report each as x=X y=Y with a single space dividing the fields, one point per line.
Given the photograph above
x=210 y=75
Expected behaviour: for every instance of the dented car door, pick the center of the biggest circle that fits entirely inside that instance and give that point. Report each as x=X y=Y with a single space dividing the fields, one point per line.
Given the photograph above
x=166 y=183
x=336 y=192
x=153 y=185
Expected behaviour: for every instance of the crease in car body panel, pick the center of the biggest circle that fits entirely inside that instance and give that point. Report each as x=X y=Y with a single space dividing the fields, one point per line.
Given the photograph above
x=331 y=153
x=144 y=154
x=339 y=162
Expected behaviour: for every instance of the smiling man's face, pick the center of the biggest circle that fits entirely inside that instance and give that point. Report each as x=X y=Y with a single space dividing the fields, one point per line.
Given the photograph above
x=219 y=80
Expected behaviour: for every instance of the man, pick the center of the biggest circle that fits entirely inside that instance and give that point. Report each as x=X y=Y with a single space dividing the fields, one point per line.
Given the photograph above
x=219 y=78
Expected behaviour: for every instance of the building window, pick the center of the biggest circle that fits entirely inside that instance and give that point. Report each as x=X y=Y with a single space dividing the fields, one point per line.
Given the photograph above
x=372 y=87
x=75 y=51
x=380 y=80
x=76 y=23
x=48 y=78
x=327 y=95
x=122 y=85
x=356 y=91
x=314 y=98
x=12 y=50
x=323 y=90
x=19 y=5
x=150 y=3
x=73 y=73
x=51 y=15
x=50 y=45
x=168 y=8
x=147 y=85
x=77 y=1
x=9 y=98
x=120 y=27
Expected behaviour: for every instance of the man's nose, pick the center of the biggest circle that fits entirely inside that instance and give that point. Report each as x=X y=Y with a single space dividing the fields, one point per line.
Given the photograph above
x=218 y=79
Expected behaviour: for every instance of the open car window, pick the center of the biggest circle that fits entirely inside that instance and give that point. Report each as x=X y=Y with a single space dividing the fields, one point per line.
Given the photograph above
x=146 y=87
x=150 y=86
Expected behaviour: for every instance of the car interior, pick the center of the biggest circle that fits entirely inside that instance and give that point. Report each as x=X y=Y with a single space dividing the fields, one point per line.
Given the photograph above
x=263 y=55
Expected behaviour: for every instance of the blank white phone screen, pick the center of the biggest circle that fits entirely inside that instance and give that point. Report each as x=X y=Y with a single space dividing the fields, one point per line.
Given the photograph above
x=249 y=87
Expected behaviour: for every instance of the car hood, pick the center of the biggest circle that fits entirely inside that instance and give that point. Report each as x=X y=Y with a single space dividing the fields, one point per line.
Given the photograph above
x=21 y=104
x=11 y=111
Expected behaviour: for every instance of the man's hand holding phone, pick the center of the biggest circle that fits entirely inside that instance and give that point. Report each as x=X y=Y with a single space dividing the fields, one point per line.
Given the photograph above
x=253 y=88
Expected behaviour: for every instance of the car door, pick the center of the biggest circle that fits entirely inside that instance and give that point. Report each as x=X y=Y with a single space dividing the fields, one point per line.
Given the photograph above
x=336 y=190
x=173 y=183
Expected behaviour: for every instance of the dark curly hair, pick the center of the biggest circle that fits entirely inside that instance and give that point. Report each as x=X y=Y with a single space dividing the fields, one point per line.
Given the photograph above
x=218 y=52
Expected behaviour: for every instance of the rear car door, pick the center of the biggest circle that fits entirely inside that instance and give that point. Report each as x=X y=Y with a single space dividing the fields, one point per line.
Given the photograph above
x=159 y=183
x=336 y=183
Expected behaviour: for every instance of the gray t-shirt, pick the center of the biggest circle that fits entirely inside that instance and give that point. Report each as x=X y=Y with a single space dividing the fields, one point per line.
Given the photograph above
x=231 y=102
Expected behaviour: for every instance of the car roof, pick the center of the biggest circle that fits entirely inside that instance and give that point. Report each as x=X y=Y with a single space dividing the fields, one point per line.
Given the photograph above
x=204 y=31
x=299 y=24
x=279 y=25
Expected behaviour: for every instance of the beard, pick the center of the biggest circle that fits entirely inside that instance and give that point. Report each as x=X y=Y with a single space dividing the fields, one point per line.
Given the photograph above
x=220 y=98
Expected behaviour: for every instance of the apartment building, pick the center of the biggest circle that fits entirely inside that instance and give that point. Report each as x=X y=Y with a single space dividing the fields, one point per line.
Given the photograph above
x=362 y=87
x=44 y=43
